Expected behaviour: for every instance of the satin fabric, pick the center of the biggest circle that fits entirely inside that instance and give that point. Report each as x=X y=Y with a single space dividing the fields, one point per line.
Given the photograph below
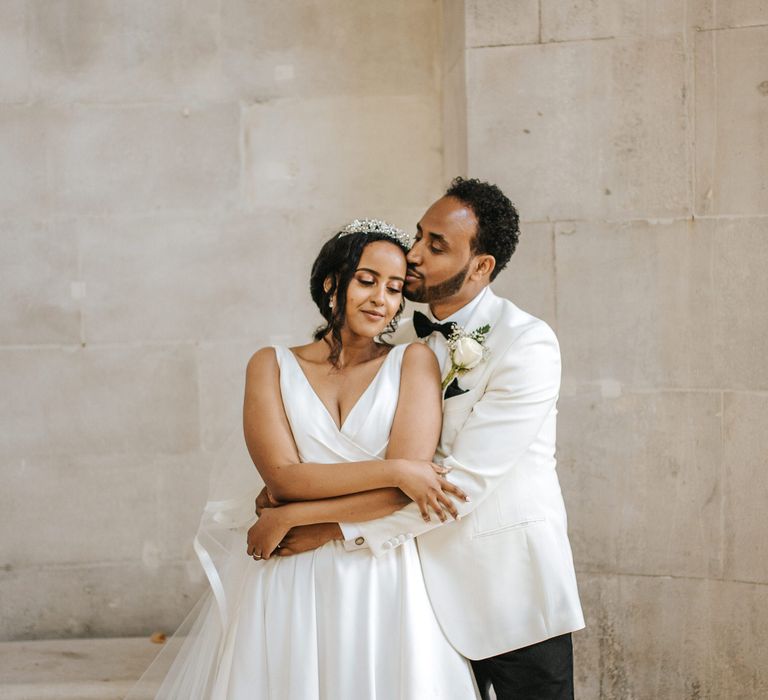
x=322 y=625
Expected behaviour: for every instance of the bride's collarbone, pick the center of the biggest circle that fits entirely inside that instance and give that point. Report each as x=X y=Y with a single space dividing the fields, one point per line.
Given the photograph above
x=341 y=388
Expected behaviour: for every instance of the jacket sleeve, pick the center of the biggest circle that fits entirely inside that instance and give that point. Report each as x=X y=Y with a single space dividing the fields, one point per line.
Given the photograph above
x=520 y=394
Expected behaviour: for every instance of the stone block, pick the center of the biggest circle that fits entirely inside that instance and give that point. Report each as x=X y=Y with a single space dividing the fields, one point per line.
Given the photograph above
x=644 y=638
x=129 y=399
x=627 y=308
x=149 y=507
x=74 y=669
x=641 y=475
x=711 y=14
x=342 y=47
x=498 y=23
x=14 y=59
x=453 y=33
x=529 y=279
x=731 y=121
x=104 y=600
x=602 y=19
x=454 y=122
x=108 y=51
x=38 y=283
x=662 y=305
x=135 y=159
x=745 y=452
x=587 y=141
x=361 y=154
x=222 y=382
x=739 y=256
x=198 y=278
x=24 y=135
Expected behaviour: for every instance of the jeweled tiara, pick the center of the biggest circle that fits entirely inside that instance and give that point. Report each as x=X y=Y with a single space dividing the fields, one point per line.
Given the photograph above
x=376 y=226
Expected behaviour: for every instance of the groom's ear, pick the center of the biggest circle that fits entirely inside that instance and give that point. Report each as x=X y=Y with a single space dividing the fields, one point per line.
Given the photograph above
x=483 y=266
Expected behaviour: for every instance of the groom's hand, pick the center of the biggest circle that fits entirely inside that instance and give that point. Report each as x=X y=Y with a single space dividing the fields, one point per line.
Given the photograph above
x=308 y=537
x=265 y=500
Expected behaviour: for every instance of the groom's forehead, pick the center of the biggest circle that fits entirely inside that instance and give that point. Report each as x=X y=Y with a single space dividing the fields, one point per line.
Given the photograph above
x=449 y=218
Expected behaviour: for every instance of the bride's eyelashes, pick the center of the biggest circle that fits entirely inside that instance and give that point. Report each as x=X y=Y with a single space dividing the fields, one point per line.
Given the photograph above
x=370 y=283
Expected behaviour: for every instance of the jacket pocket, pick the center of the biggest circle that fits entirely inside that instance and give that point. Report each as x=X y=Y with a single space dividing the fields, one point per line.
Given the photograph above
x=512 y=526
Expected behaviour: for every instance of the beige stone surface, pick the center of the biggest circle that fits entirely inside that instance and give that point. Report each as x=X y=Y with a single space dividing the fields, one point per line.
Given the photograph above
x=109 y=51
x=745 y=453
x=453 y=33
x=586 y=141
x=142 y=158
x=38 y=267
x=664 y=304
x=287 y=164
x=24 y=184
x=341 y=47
x=98 y=401
x=529 y=278
x=454 y=105
x=191 y=278
x=665 y=637
x=734 y=13
x=73 y=669
x=498 y=23
x=97 y=600
x=642 y=478
x=14 y=60
x=601 y=19
x=113 y=508
x=731 y=122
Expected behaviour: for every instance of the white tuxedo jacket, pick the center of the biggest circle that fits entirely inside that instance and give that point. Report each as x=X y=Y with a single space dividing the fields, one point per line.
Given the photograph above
x=502 y=576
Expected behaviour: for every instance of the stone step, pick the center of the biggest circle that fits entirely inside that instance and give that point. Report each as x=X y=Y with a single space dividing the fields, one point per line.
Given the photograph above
x=73 y=669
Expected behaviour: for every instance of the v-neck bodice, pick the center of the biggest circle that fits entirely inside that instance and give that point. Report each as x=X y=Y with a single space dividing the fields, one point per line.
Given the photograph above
x=365 y=431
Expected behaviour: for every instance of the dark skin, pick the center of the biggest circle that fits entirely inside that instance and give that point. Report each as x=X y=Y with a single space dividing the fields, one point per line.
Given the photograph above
x=443 y=271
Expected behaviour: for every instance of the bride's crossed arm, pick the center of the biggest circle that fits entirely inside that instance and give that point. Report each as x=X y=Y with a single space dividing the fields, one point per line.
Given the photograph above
x=346 y=491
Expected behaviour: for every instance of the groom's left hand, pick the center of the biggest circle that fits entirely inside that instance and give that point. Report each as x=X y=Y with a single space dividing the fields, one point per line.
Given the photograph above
x=308 y=537
x=265 y=499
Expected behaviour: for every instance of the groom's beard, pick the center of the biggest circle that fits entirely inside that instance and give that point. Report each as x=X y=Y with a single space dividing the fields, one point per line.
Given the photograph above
x=427 y=295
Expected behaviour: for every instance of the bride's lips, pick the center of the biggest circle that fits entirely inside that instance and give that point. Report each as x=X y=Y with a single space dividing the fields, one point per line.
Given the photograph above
x=373 y=315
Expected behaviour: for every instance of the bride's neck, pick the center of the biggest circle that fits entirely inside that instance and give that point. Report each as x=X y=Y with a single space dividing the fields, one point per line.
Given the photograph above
x=356 y=349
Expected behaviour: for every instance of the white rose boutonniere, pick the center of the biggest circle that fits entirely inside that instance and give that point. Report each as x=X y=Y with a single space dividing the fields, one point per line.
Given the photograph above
x=466 y=350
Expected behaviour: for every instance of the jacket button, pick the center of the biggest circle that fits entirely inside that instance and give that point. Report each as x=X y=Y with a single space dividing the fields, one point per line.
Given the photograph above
x=359 y=541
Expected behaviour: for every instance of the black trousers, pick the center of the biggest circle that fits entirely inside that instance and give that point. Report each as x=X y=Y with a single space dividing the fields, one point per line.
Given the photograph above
x=542 y=671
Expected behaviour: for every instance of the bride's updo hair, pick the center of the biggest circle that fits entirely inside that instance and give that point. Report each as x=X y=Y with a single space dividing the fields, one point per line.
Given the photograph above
x=337 y=262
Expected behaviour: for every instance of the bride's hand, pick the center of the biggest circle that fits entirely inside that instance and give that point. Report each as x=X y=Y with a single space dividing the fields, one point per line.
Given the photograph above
x=425 y=484
x=267 y=532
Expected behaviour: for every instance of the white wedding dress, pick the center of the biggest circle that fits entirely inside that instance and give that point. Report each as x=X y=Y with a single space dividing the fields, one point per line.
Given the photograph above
x=329 y=624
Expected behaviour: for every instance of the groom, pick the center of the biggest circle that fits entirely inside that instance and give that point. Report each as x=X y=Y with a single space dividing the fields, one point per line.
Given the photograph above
x=500 y=579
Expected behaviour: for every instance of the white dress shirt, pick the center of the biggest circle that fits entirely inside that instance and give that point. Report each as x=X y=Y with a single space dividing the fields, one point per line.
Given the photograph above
x=438 y=344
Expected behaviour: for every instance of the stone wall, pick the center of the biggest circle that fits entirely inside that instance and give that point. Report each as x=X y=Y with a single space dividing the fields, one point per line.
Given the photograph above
x=633 y=138
x=169 y=171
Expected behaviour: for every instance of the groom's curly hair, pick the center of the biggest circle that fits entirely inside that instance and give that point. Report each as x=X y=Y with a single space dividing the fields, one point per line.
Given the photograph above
x=337 y=262
x=498 y=223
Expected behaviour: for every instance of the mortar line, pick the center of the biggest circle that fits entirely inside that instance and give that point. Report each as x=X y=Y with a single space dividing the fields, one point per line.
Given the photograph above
x=673 y=577
x=730 y=27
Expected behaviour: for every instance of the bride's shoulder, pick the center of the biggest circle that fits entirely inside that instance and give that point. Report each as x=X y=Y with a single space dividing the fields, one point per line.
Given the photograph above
x=263 y=361
x=419 y=356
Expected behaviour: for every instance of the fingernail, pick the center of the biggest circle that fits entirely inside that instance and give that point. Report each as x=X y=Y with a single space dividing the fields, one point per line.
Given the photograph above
x=467 y=499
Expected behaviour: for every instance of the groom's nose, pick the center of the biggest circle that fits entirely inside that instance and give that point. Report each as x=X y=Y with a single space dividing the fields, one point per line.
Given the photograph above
x=414 y=254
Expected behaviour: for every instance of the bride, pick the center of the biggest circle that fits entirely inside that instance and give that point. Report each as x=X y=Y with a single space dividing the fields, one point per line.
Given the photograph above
x=341 y=429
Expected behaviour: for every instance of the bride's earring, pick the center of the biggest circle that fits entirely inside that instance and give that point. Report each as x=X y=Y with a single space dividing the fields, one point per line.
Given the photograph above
x=330 y=303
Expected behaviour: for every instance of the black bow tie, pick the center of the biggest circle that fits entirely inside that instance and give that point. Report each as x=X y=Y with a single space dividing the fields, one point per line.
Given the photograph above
x=425 y=327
